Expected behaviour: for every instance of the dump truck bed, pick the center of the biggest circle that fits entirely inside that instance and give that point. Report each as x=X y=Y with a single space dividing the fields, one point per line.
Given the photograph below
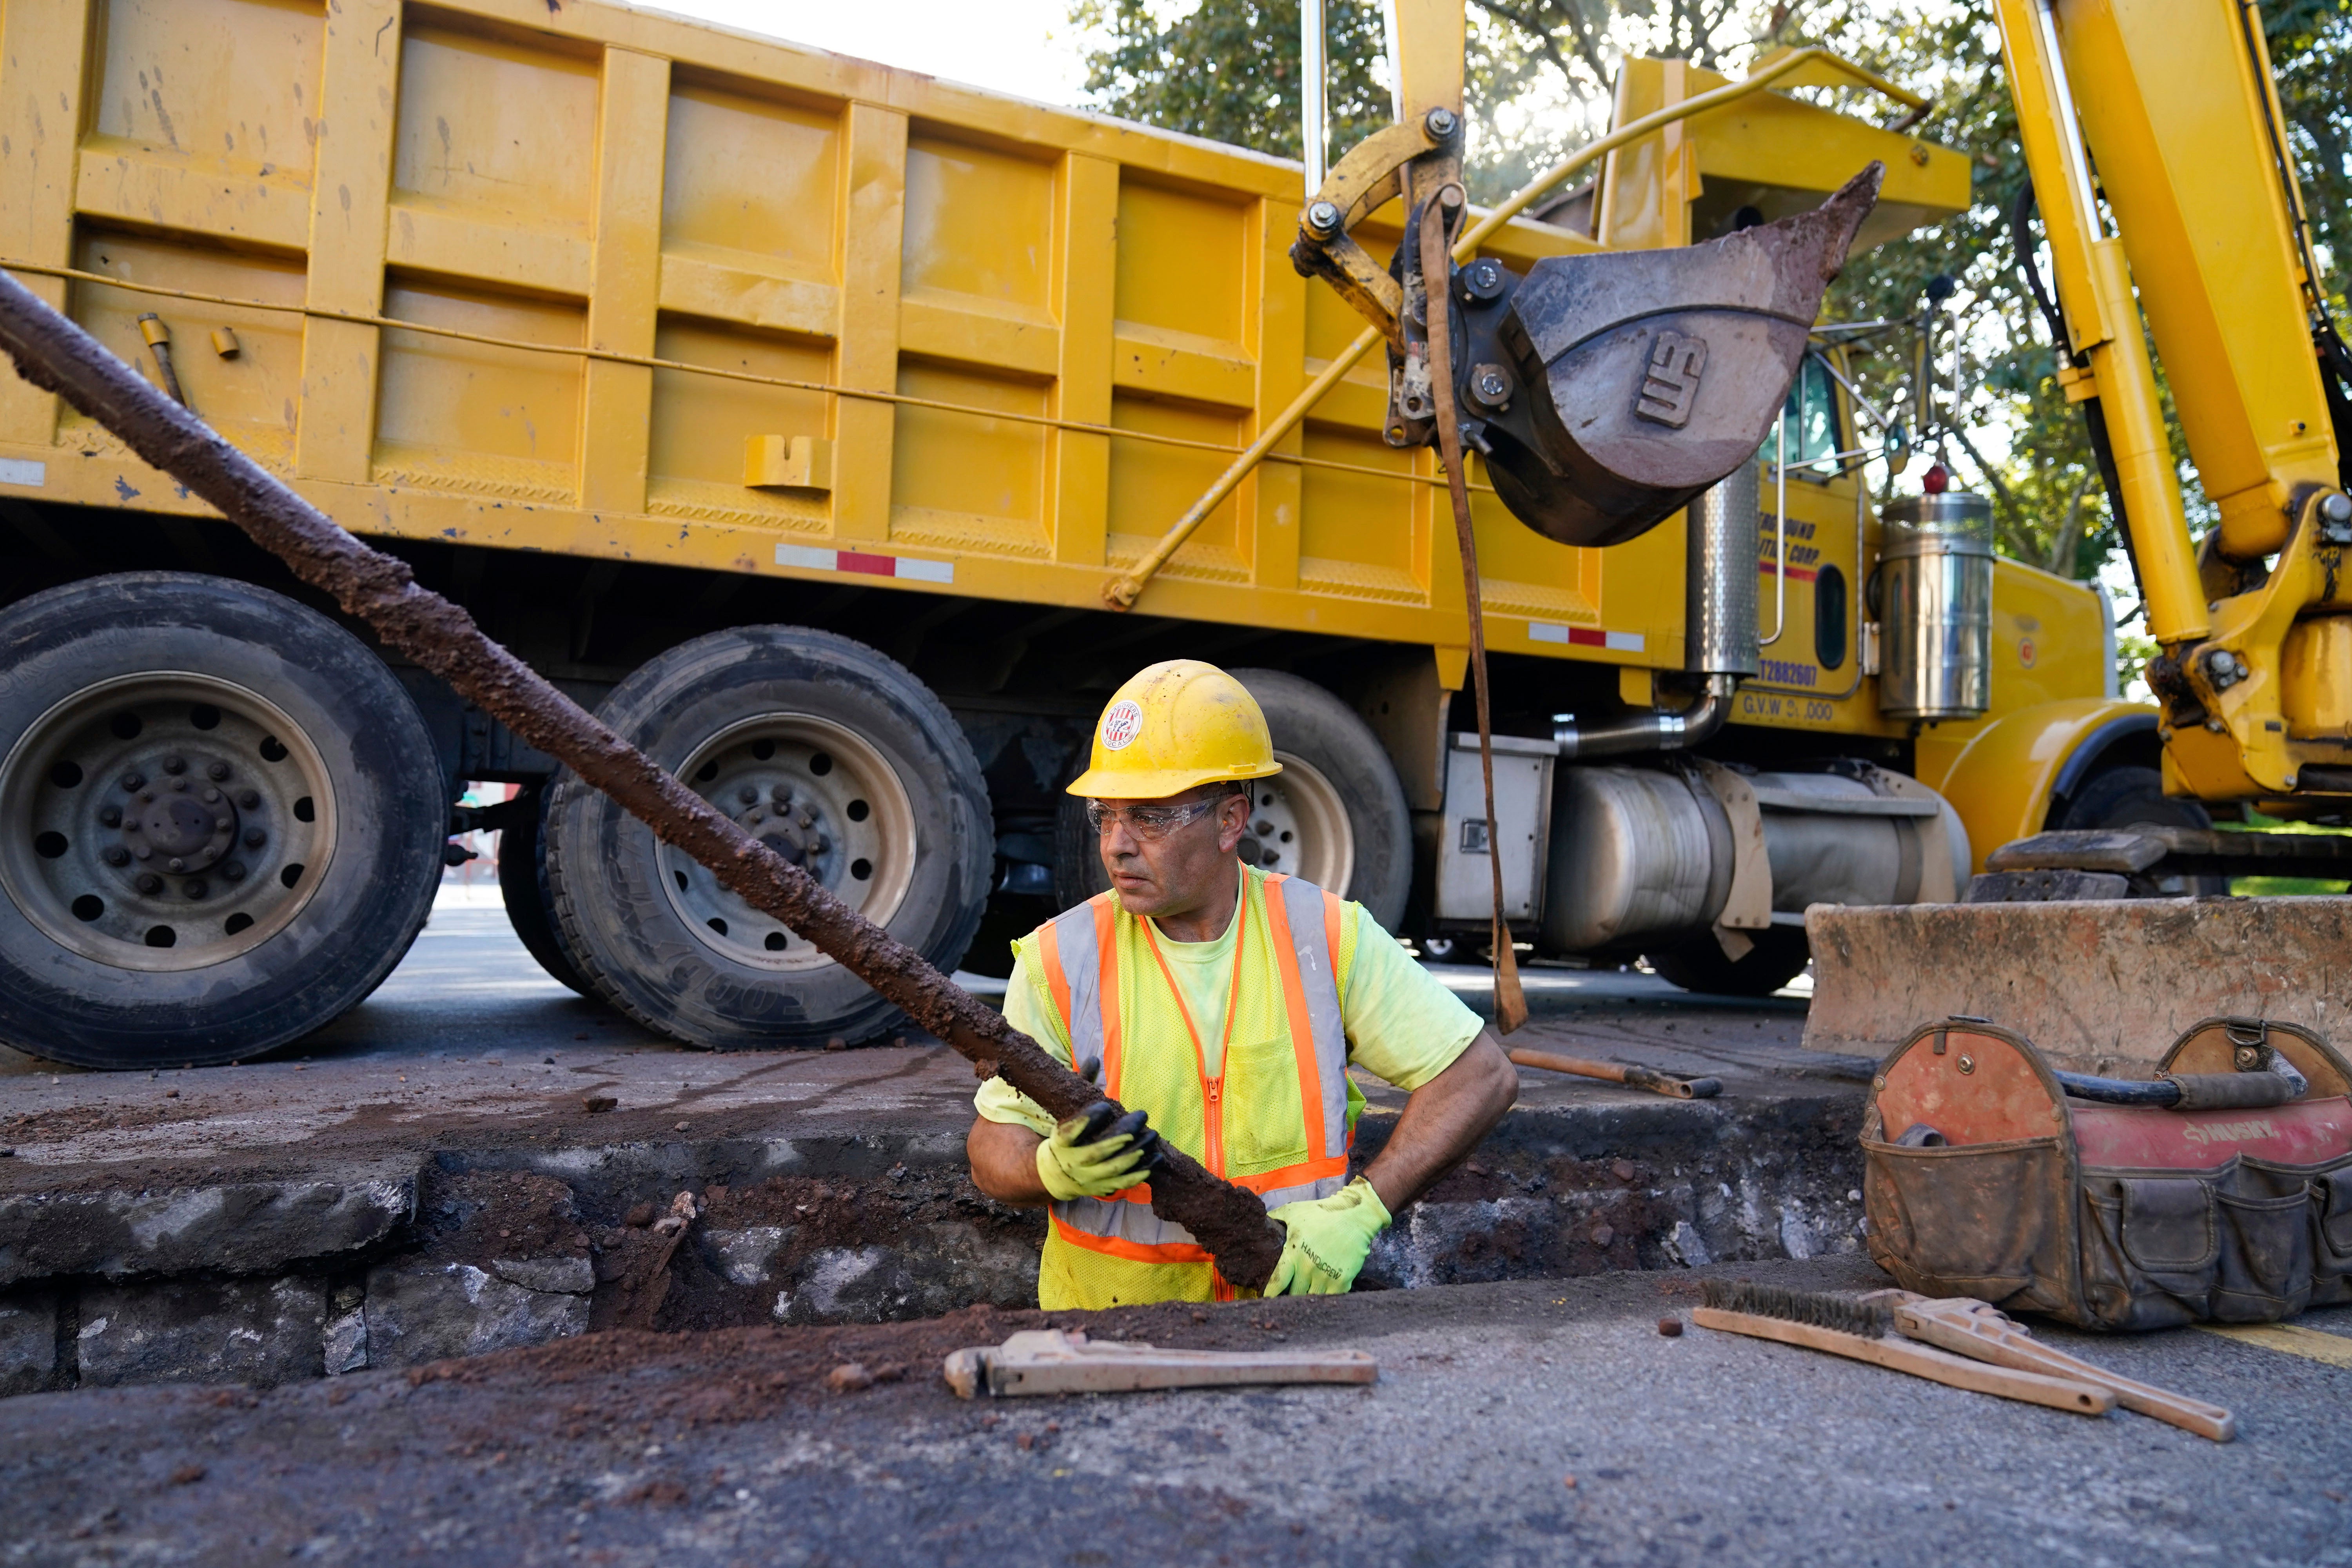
x=591 y=281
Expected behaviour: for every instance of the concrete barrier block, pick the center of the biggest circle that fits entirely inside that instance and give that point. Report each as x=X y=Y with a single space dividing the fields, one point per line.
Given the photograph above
x=28 y=1343
x=2099 y=986
x=935 y=1269
x=234 y=1228
x=424 y=1312
x=259 y=1332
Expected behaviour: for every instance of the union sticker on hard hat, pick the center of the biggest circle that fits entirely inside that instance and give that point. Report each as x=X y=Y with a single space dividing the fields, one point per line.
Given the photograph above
x=1121 y=724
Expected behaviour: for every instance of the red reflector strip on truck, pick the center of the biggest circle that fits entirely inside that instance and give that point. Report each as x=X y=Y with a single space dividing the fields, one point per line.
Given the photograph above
x=904 y=566
x=1584 y=636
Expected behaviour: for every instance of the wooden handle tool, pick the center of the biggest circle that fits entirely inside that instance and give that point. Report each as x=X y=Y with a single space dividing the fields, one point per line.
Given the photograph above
x=1920 y=1360
x=1633 y=1077
x=1980 y=1329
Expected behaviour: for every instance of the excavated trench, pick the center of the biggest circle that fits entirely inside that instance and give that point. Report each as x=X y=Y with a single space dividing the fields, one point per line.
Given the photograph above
x=271 y=1276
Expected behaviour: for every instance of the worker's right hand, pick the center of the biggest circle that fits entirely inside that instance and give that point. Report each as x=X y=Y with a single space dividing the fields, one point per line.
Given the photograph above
x=1091 y=1156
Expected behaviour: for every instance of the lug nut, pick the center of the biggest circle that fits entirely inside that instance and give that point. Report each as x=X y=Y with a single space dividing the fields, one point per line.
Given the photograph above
x=143 y=852
x=255 y=837
x=233 y=872
x=146 y=794
x=175 y=765
x=220 y=825
x=249 y=798
x=176 y=864
x=781 y=794
x=216 y=772
x=209 y=796
x=747 y=795
x=116 y=854
x=110 y=818
x=756 y=817
x=132 y=781
x=180 y=784
x=195 y=887
x=149 y=883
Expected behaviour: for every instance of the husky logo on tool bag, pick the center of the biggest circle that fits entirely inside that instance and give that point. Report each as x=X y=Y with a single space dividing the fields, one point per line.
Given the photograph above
x=2229 y=1131
x=1670 y=381
x=1121 y=725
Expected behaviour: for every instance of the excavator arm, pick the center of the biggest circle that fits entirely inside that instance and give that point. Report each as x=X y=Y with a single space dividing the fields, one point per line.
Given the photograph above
x=1581 y=379
x=2153 y=136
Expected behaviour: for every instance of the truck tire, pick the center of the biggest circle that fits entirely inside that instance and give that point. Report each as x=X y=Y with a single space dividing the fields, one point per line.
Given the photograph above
x=522 y=888
x=221 y=822
x=832 y=755
x=2122 y=795
x=1780 y=955
x=2130 y=796
x=1334 y=815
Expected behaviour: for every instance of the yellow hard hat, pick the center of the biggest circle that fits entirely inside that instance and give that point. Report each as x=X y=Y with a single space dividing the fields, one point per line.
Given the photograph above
x=1172 y=726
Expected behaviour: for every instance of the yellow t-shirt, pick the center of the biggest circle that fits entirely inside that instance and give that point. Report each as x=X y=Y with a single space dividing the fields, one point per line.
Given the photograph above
x=1402 y=1025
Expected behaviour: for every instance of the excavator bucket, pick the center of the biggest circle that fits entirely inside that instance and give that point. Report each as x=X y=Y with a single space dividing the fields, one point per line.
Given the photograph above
x=1652 y=374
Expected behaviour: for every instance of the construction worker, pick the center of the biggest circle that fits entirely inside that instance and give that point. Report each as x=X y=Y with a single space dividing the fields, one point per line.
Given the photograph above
x=1225 y=1004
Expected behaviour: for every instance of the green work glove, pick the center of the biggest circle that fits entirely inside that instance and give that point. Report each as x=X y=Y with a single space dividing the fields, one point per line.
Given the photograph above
x=1327 y=1240
x=1091 y=1156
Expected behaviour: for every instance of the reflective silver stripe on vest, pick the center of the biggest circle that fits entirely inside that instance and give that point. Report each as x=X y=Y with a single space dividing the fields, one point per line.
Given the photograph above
x=1074 y=932
x=1318 y=974
x=1074 y=940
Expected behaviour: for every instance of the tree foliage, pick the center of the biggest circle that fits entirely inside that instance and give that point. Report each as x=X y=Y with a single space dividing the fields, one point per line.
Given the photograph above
x=1228 y=70
x=1541 y=75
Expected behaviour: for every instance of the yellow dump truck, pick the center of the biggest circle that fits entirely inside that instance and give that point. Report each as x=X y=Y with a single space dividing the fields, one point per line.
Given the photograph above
x=798 y=414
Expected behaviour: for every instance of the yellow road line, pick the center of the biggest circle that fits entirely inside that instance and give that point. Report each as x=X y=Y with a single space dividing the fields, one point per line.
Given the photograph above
x=2335 y=1349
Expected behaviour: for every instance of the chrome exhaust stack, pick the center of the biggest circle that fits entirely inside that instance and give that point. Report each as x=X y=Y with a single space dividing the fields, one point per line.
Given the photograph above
x=1720 y=637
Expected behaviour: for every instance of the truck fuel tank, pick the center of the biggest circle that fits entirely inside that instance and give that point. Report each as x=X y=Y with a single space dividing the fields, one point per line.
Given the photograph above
x=1641 y=856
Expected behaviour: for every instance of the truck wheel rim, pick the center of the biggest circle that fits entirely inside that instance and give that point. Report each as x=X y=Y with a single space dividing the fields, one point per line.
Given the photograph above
x=165 y=821
x=1298 y=826
x=818 y=795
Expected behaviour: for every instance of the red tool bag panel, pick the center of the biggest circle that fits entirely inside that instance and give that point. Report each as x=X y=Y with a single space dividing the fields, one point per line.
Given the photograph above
x=1985 y=1176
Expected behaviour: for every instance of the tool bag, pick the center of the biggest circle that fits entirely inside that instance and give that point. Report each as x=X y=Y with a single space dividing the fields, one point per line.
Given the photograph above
x=1983 y=1178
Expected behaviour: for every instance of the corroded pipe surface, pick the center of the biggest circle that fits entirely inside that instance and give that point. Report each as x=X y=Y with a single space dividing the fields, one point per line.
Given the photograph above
x=54 y=355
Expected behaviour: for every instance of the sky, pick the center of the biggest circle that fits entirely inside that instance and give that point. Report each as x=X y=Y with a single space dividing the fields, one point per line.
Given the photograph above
x=1026 y=47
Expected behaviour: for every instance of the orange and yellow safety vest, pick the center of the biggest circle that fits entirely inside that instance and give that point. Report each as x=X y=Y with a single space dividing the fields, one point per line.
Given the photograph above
x=1273 y=1119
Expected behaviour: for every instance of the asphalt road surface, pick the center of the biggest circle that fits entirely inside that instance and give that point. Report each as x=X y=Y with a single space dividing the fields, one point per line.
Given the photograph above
x=1533 y=1421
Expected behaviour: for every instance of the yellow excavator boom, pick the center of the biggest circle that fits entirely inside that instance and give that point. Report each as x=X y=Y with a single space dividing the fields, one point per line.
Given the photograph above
x=2163 y=119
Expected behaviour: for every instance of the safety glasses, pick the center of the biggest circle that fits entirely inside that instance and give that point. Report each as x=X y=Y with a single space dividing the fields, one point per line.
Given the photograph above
x=1147 y=822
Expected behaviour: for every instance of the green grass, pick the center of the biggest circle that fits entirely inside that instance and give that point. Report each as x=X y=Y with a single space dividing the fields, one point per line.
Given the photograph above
x=2280 y=887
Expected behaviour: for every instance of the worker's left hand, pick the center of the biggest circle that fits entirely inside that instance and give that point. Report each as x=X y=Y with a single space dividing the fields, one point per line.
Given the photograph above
x=1326 y=1241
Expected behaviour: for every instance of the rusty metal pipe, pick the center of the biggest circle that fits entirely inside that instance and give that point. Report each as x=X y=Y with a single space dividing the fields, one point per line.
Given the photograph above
x=57 y=355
